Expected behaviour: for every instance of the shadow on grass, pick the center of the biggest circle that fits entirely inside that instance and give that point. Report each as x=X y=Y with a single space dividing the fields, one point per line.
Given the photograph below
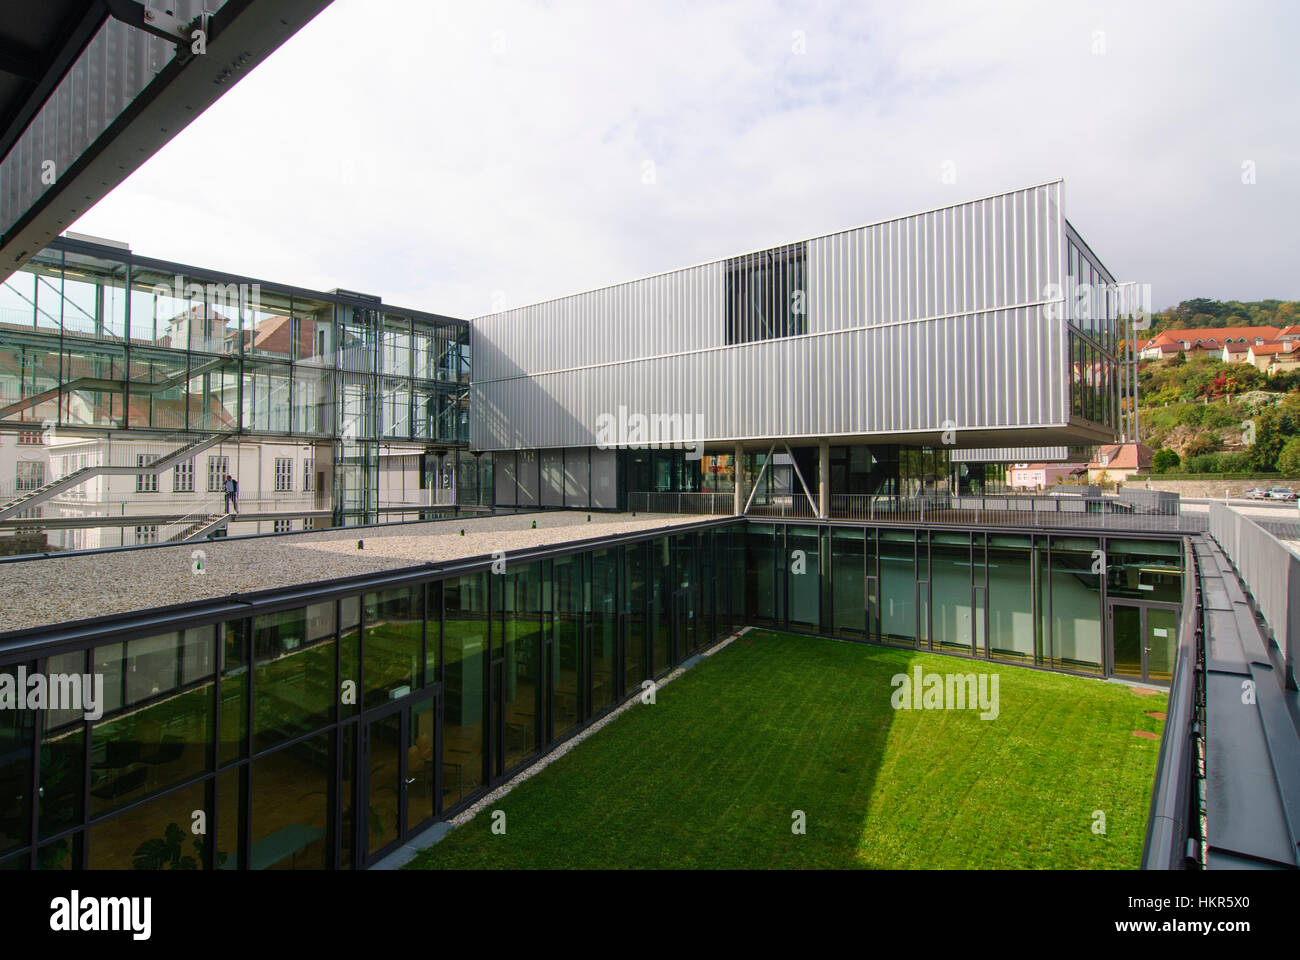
x=778 y=731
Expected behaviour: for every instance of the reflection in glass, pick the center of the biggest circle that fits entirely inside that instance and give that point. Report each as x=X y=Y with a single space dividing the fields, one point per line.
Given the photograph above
x=522 y=629
x=293 y=676
x=464 y=645
x=394 y=643
x=289 y=818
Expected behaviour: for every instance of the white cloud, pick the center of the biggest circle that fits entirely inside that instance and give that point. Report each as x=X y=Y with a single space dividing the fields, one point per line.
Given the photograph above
x=437 y=154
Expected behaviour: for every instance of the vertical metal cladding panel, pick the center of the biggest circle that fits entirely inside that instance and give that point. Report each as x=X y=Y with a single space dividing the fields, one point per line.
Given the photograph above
x=577 y=477
x=503 y=469
x=526 y=477
x=552 y=478
x=604 y=479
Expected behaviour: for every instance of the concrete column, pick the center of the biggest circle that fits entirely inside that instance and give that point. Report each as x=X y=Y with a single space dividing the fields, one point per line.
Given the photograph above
x=824 y=478
x=738 y=458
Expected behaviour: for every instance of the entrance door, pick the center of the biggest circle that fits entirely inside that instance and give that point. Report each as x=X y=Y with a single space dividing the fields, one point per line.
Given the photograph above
x=399 y=756
x=1144 y=638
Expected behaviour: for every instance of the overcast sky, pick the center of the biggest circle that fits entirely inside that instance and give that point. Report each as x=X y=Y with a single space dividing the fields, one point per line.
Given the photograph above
x=463 y=158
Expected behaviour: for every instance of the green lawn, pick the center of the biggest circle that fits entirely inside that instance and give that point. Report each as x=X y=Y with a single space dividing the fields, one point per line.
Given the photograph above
x=711 y=774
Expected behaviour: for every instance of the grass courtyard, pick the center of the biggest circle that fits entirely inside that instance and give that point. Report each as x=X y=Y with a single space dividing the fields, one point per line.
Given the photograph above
x=710 y=776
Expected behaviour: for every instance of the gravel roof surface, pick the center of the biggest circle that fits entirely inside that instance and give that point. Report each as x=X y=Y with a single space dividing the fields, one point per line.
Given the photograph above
x=59 y=589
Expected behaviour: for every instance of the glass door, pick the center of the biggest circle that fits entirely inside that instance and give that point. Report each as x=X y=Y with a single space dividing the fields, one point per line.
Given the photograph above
x=1144 y=639
x=1162 y=642
x=399 y=756
x=382 y=744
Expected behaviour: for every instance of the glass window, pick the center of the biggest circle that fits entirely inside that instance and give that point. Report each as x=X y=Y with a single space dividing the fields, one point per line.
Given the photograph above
x=270 y=324
x=289 y=814
x=267 y=398
x=87 y=399
x=231 y=785
x=313 y=400
x=1144 y=570
x=847 y=559
x=314 y=331
x=464 y=643
x=604 y=635
x=661 y=586
x=803 y=575
x=897 y=588
x=766 y=295
x=17 y=743
x=395 y=408
x=394 y=643
x=1010 y=598
x=1075 y=604
x=950 y=592
x=522 y=653
x=349 y=655
x=154 y=836
x=395 y=346
x=234 y=690
x=163 y=731
x=567 y=676
x=759 y=569
x=62 y=754
x=293 y=675
x=634 y=662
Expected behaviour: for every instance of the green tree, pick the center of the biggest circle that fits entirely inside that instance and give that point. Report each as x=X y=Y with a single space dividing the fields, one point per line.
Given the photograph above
x=1268 y=440
x=1165 y=460
x=1288 y=461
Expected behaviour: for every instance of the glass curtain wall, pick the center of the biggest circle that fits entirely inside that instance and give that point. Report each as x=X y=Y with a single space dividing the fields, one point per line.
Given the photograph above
x=241 y=720
x=94 y=338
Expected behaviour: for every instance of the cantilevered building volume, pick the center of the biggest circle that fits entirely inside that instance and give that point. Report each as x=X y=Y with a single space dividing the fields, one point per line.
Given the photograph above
x=982 y=324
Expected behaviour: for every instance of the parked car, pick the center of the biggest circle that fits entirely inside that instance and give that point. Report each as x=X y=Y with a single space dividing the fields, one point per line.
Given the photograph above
x=1281 y=493
x=1259 y=493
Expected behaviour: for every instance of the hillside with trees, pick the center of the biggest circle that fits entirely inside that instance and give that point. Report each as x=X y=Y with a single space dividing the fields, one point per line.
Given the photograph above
x=1204 y=416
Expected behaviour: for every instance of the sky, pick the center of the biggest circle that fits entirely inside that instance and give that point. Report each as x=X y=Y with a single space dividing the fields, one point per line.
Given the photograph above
x=468 y=158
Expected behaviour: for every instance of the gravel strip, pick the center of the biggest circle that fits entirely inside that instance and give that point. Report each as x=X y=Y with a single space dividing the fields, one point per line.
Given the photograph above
x=468 y=814
x=59 y=589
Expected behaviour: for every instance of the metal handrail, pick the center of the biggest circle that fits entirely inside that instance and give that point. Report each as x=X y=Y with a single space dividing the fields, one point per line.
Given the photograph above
x=1173 y=836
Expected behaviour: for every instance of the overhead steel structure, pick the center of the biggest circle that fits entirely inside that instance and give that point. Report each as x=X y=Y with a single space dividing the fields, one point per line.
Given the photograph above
x=90 y=89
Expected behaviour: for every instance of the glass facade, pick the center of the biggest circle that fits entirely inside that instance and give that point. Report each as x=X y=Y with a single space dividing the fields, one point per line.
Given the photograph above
x=319 y=732
x=1092 y=307
x=96 y=337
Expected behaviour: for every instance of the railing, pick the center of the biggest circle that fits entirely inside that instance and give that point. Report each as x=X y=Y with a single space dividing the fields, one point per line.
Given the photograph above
x=712 y=504
x=1174 y=823
x=1270 y=571
x=195 y=520
x=1054 y=512
x=121 y=455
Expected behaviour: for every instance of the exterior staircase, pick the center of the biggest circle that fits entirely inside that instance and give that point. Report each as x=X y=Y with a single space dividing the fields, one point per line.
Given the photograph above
x=32 y=497
x=200 y=527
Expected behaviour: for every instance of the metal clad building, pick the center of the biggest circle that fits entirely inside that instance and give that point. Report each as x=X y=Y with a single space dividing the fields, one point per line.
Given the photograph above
x=956 y=317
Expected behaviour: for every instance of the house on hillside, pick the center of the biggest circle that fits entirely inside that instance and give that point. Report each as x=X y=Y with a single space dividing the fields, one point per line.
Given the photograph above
x=1207 y=340
x=1119 y=461
x=1273 y=358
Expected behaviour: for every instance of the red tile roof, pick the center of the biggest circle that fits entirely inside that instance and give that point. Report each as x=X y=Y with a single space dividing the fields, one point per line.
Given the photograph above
x=1122 y=456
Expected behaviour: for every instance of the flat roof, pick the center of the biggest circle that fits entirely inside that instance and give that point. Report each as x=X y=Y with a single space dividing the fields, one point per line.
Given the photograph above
x=44 y=591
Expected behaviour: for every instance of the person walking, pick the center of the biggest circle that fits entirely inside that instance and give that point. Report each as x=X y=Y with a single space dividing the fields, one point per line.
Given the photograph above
x=231 y=488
